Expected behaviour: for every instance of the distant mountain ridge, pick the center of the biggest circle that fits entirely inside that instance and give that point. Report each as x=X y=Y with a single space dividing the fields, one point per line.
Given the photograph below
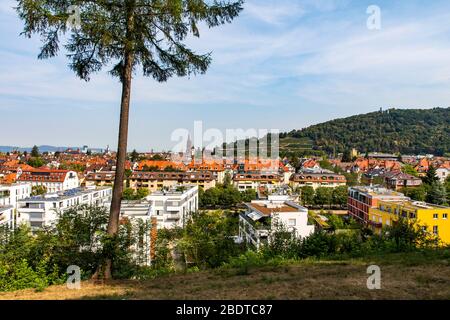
x=405 y=131
x=43 y=148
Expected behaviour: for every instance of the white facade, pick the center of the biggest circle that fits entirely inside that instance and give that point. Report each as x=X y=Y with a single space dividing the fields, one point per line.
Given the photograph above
x=42 y=211
x=442 y=174
x=173 y=208
x=7 y=216
x=139 y=209
x=263 y=216
x=9 y=197
x=11 y=193
x=52 y=184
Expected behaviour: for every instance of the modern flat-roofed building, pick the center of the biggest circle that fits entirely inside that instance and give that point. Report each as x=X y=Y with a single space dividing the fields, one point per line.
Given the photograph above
x=435 y=218
x=362 y=198
x=40 y=211
x=136 y=209
x=10 y=194
x=173 y=207
x=7 y=216
x=262 y=216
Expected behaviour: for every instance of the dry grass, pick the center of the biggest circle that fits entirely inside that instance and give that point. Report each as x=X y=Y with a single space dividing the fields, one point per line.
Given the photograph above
x=413 y=279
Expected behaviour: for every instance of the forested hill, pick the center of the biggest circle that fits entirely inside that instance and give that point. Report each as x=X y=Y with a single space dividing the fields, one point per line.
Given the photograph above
x=408 y=131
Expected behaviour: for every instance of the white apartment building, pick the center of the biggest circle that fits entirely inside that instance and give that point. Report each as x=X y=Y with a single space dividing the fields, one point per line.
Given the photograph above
x=7 y=216
x=11 y=193
x=40 y=211
x=136 y=209
x=262 y=216
x=173 y=207
x=9 y=196
x=52 y=180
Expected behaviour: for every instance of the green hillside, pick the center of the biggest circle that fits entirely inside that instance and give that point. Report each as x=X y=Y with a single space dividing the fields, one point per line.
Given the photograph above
x=408 y=131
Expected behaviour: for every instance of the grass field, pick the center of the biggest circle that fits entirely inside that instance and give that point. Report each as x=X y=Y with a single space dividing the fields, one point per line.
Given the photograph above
x=403 y=276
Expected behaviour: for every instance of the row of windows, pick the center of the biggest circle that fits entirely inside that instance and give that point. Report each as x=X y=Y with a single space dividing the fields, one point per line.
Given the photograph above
x=436 y=216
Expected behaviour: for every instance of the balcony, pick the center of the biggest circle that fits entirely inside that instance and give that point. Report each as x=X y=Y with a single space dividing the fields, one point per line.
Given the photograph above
x=173 y=208
x=31 y=210
x=173 y=215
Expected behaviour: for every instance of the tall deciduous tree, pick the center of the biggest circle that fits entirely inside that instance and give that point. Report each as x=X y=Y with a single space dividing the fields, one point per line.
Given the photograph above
x=127 y=35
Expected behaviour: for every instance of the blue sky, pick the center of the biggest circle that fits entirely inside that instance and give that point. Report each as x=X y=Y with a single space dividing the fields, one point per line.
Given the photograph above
x=283 y=64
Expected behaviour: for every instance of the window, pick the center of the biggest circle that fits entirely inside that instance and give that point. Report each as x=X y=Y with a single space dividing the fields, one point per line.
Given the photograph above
x=444 y=216
x=292 y=222
x=435 y=230
x=435 y=216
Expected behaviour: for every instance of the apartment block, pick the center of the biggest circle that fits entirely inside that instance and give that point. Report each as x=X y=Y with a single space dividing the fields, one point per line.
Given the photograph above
x=317 y=178
x=270 y=182
x=9 y=196
x=173 y=207
x=362 y=198
x=7 y=216
x=435 y=218
x=262 y=216
x=155 y=181
x=40 y=211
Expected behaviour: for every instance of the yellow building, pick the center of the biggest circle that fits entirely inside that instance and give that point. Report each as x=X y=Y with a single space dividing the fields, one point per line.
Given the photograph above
x=434 y=217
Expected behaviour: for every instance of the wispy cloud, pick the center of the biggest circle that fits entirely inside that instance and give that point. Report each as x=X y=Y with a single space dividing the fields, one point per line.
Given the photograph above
x=282 y=64
x=274 y=12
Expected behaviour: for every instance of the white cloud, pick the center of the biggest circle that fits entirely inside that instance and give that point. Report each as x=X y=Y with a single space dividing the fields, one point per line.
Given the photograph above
x=274 y=12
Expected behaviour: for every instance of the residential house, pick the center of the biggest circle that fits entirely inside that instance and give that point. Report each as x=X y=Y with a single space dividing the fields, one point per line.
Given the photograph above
x=398 y=180
x=52 y=180
x=443 y=173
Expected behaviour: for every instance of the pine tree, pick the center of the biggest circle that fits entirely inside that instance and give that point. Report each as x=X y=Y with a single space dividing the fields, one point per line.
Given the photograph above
x=431 y=176
x=437 y=193
x=129 y=35
x=35 y=152
x=134 y=156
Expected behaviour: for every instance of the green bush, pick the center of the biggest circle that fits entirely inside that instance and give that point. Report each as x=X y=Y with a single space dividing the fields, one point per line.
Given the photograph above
x=78 y=238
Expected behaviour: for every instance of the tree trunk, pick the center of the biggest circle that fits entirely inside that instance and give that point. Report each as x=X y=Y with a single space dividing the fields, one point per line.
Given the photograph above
x=105 y=271
x=114 y=215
